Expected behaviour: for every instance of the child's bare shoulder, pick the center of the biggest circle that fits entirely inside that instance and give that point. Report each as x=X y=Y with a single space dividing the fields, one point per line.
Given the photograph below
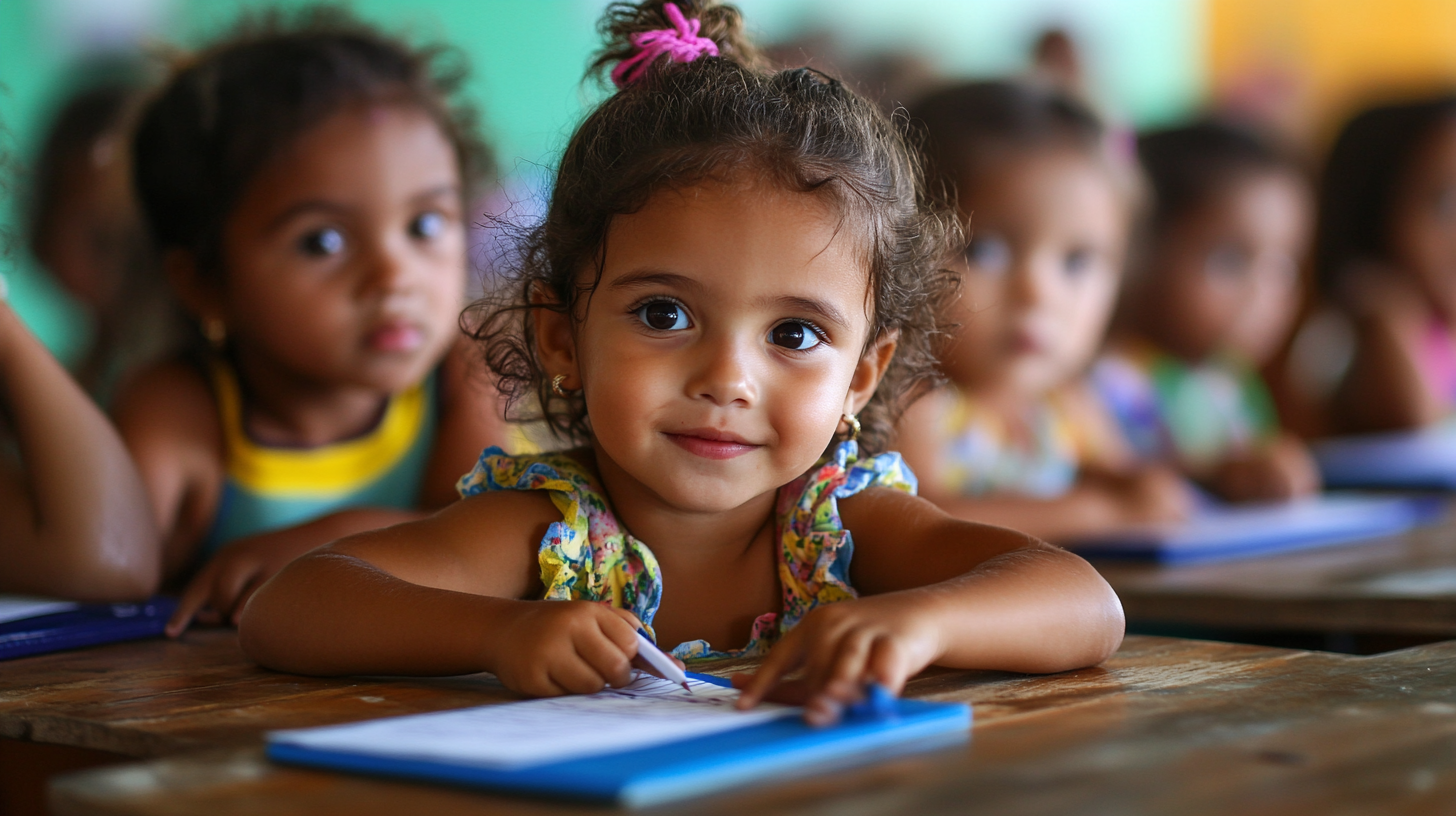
x=169 y=401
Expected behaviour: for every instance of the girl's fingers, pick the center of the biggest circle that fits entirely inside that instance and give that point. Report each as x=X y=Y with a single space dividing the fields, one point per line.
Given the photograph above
x=782 y=659
x=889 y=666
x=606 y=658
x=228 y=587
x=846 y=665
x=575 y=676
x=197 y=593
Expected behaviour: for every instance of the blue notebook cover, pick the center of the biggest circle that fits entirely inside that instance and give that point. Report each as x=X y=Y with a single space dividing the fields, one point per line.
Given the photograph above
x=1412 y=460
x=683 y=768
x=1230 y=531
x=86 y=625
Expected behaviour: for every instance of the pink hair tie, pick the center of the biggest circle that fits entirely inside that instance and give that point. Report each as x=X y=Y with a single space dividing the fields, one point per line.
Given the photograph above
x=681 y=43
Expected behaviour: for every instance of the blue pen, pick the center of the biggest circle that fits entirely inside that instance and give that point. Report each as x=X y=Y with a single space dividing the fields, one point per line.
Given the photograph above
x=647 y=650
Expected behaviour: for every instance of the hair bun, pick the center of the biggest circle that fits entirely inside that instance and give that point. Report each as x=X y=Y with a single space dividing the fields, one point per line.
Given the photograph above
x=623 y=24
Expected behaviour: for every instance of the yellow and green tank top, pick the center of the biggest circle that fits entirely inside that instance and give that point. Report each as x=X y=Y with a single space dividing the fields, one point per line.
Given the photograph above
x=268 y=488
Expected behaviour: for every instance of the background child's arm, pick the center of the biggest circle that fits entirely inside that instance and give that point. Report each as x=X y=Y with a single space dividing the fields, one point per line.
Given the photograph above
x=440 y=596
x=1383 y=389
x=1099 y=502
x=470 y=421
x=75 y=522
x=938 y=590
x=168 y=420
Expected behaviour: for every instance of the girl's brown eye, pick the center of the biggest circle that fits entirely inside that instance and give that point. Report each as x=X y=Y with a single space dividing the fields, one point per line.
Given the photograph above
x=663 y=315
x=794 y=335
x=322 y=243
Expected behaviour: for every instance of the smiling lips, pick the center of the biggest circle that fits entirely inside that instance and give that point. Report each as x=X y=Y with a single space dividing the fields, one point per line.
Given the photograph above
x=712 y=444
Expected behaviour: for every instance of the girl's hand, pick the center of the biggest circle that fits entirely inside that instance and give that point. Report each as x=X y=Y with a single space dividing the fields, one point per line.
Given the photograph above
x=840 y=648
x=1151 y=495
x=550 y=648
x=217 y=594
x=1279 y=471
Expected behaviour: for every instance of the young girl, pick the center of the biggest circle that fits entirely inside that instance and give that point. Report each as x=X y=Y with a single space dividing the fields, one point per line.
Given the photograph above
x=1386 y=257
x=74 y=519
x=304 y=186
x=1015 y=438
x=734 y=280
x=1208 y=302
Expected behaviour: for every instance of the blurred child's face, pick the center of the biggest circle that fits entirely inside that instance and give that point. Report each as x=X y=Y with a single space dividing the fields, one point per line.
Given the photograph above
x=345 y=260
x=1423 y=221
x=94 y=230
x=1226 y=276
x=719 y=349
x=1048 y=229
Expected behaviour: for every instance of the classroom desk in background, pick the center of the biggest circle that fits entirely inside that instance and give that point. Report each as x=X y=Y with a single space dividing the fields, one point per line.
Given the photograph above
x=1401 y=585
x=1165 y=725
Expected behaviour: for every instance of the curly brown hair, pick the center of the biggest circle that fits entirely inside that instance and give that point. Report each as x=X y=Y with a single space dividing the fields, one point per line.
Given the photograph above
x=721 y=117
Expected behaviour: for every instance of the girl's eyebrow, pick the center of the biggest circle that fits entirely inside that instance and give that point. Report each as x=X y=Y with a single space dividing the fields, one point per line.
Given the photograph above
x=653 y=277
x=325 y=205
x=307 y=205
x=823 y=309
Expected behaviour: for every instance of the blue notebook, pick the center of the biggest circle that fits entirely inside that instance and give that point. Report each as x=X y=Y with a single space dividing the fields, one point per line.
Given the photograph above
x=1412 y=460
x=30 y=626
x=1234 y=531
x=537 y=747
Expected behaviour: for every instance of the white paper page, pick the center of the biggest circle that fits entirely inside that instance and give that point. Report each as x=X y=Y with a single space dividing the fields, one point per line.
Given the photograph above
x=16 y=607
x=649 y=711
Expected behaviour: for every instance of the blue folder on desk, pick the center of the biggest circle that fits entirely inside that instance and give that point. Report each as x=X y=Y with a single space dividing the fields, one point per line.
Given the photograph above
x=1411 y=460
x=672 y=770
x=1234 y=531
x=62 y=626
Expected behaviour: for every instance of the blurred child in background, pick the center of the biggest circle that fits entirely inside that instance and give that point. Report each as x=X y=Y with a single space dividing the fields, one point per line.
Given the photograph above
x=304 y=185
x=85 y=231
x=1386 y=258
x=1208 y=300
x=1016 y=438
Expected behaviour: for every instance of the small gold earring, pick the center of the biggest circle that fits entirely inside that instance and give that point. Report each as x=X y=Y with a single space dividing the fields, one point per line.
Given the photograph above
x=215 y=331
x=556 y=385
x=853 y=425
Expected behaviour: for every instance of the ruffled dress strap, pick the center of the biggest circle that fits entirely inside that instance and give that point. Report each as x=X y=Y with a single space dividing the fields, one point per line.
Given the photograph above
x=587 y=555
x=814 y=548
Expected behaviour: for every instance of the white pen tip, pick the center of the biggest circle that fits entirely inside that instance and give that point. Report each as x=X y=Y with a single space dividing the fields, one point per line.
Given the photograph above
x=685 y=687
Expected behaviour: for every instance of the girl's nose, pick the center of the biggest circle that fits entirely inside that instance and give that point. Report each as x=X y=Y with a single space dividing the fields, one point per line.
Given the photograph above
x=723 y=373
x=389 y=269
x=1029 y=282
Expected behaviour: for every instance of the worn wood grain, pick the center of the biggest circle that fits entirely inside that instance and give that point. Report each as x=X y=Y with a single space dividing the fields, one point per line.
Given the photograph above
x=1403 y=584
x=154 y=698
x=1166 y=726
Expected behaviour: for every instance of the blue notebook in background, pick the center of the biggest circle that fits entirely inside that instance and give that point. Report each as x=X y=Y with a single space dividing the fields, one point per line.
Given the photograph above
x=674 y=745
x=1410 y=460
x=31 y=626
x=1230 y=531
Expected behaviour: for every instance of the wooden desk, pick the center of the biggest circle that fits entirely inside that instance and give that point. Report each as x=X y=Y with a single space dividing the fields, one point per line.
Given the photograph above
x=1196 y=727
x=1403 y=585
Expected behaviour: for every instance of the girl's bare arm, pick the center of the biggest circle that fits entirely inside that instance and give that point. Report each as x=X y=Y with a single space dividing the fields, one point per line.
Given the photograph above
x=444 y=595
x=75 y=522
x=471 y=420
x=938 y=590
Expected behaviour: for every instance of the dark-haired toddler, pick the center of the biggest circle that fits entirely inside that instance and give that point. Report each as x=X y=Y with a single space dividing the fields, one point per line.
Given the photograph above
x=734 y=287
x=1209 y=300
x=304 y=183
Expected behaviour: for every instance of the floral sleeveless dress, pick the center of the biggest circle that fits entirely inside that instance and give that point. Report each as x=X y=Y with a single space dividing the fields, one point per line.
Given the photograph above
x=588 y=556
